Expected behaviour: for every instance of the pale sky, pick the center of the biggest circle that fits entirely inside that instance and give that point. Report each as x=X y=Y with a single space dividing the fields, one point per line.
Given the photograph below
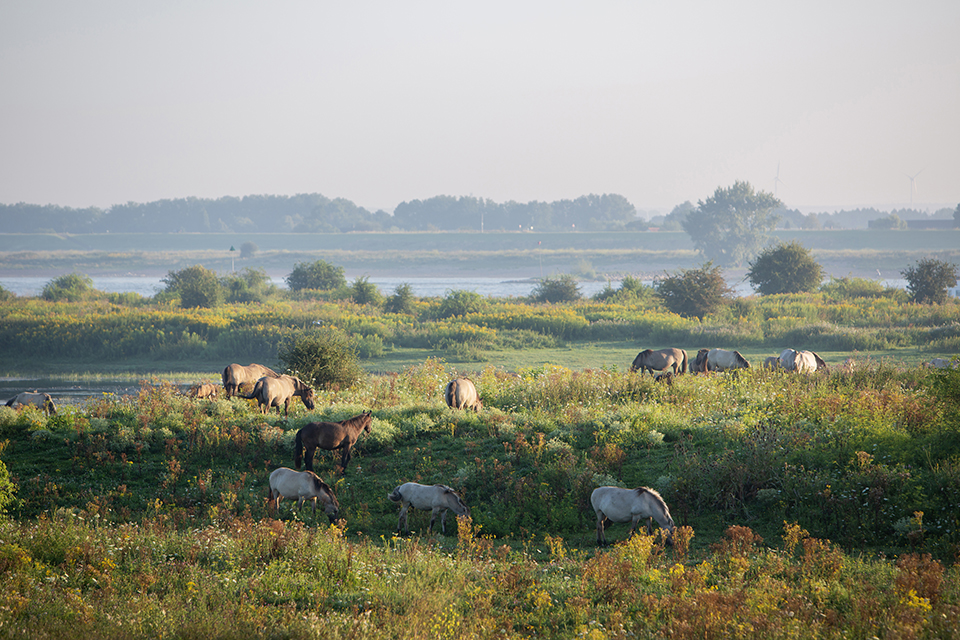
x=104 y=102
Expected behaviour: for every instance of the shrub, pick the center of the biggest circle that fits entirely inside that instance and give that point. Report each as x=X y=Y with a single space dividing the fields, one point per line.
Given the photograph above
x=365 y=292
x=6 y=294
x=7 y=488
x=250 y=285
x=460 y=303
x=315 y=275
x=928 y=280
x=631 y=290
x=324 y=358
x=401 y=301
x=694 y=293
x=248 y=249
x=563 y=288
x=71 y=287
x=851 y=288
x=196 y=286
x=786 y=268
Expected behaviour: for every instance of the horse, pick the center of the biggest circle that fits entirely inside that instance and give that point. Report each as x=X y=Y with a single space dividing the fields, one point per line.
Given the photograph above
x=302 y=485
x=237 y=374
x=944 y=363
x=722 y=360
x=648 y=360
x=273 y=392
x=699 y=364
x=41 y=401
x=462 y=394
x=801 y=361
x=203 y=391
x=613 y=504
x=438 y=498
x=331 y=436
x=772 y=363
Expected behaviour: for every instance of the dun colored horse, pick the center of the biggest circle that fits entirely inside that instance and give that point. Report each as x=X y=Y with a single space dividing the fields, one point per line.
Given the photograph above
x=37 y=399
x=274 y=392
x=301 y=486
x=438 y=498
x=237 y=374
x=664 y=360
x=331 y=436
x=613 y=504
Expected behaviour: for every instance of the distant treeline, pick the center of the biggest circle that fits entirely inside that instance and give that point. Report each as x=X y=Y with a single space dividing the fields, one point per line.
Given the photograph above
x=315 y=213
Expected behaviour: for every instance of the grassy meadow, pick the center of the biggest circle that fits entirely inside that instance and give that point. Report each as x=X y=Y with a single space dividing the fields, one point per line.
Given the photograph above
x=807 y=506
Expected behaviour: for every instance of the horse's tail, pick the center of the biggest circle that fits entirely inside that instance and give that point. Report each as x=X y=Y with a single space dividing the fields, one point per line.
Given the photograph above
x=394 y=496
x=49 y=406
x=448 y=395
x=298 y=450
x=257 y=388
x=683 y=362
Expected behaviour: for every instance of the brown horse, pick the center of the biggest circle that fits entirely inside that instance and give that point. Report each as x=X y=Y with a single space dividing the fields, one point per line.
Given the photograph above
x=273 y=392
x=699 y=364
x=462 y=394
x=331 y=436
x=237 y=374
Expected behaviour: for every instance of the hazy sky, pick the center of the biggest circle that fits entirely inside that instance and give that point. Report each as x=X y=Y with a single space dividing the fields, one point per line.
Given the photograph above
x=104 y=102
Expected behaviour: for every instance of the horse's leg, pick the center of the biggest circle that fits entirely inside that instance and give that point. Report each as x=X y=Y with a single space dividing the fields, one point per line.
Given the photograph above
x=601 y=537
x=650 y=526
x=433 y=518
x=403 y=519
x=344 y=459
x=443 y=521
x=309 y=458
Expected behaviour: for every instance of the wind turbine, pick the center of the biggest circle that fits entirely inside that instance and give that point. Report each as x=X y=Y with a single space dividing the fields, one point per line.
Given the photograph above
x=913 y=184
x=776 y=180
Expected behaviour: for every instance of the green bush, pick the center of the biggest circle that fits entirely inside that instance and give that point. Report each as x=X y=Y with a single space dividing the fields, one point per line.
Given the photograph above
x=564 y=288
x=250 y=285
x=786 y=268
x=362 y=291
x=69 y=288
x=315 y=275
x=459 y=303
x=196 y=286
x=694 y=293
x=929 y=279
x=401 y=301
x=325 y=358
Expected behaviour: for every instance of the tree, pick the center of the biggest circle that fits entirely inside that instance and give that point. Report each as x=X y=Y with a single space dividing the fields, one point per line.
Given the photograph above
x=956 y=217
x=631 y=290
x=196 y=286
x=365 y=292
x=315 y=275
x=248 y=249
x=459 y=303
x=786 y=268
x=929 y=279
x=250 y=285
x=563 y=288
x=886 y=223
x=323 y=358
x=401 y=301
x=694 y=293
x=733 y=224
x=71 y=287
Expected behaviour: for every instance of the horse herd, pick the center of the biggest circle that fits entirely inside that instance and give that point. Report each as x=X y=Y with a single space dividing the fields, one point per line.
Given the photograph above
x=671 y=362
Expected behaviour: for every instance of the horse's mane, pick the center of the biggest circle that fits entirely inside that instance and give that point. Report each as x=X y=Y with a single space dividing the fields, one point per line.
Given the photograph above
x=350 y=422
x=653 y=492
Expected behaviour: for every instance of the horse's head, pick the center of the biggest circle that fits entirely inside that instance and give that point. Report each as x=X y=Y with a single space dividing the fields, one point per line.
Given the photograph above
x=308 y=397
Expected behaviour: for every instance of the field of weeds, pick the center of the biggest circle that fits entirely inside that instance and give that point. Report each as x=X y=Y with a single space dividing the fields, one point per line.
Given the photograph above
x=812 y=506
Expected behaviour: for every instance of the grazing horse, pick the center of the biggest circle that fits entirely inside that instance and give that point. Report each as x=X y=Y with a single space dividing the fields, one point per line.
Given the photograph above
x=722 y=360
x=772 y=363
x=673 y=359
x=801 y=361
x=699 y=364
x=236 y=375
x=39 y=400
x=203 y=391
x=273 y=392
x=944 y=363
x=462 y=394
x=302 y=485
x=613 y=504
x=438 y=498
x=331 y=436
